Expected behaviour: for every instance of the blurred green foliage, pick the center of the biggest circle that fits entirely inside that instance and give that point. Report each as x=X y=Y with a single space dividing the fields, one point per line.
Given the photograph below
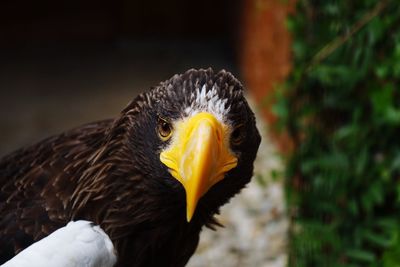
x=341 y=106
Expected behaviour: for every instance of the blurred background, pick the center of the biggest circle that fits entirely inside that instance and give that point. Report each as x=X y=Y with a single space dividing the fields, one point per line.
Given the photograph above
x=322 y=76
x=65 y=63
x=85 y=60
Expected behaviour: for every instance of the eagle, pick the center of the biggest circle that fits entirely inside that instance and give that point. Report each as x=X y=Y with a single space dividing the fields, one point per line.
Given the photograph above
x=78 y=244
x=151 y=178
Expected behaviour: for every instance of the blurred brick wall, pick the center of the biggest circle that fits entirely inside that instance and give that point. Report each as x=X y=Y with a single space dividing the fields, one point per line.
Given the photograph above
x=265 y=53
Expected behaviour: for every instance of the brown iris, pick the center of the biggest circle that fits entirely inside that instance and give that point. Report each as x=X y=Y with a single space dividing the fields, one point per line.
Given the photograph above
x=164 y=129
x=237 y=135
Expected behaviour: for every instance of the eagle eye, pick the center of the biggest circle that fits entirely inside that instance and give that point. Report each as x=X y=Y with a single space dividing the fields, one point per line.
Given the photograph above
x=237 y=135
x=164 y=129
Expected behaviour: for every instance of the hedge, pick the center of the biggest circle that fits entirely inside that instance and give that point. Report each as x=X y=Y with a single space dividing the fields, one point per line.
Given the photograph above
x=341 y=107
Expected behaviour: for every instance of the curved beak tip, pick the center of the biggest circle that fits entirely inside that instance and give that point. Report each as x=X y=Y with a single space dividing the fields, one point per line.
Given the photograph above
x=189 y=215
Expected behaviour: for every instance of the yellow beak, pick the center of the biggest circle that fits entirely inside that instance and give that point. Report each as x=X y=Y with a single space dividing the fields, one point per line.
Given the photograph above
x=198 y=156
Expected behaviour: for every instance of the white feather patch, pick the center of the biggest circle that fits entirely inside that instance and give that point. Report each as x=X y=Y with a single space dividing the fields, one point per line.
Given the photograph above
x=79 y=244
x=208 y=102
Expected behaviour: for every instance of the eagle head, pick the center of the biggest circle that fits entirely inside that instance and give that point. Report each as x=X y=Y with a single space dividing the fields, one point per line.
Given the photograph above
x=194 y=133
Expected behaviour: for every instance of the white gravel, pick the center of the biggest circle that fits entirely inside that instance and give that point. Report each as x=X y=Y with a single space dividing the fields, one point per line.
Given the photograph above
x=256 y=225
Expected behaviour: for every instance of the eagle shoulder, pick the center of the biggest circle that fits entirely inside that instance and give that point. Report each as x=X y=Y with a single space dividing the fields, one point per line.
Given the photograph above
x=35 y=185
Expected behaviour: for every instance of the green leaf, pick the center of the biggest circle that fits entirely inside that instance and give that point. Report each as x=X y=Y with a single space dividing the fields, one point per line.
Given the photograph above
x=378 y=239
x=361 y=255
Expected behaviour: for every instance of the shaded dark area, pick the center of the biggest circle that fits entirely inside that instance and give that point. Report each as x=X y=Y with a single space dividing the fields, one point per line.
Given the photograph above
x=65 y=63
x=45 y=20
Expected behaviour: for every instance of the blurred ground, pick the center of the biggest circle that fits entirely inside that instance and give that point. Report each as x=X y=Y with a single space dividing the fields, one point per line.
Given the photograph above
x=44 y=91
